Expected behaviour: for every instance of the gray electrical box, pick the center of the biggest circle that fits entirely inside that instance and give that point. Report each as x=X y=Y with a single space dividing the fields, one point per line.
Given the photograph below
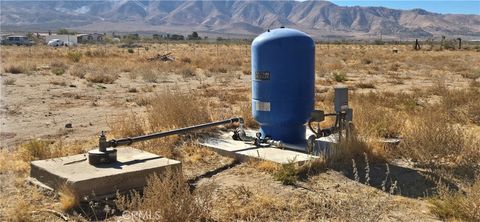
x=340 y=98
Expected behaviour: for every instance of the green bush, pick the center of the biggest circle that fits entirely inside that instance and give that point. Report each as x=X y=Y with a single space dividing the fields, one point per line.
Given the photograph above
x=287 y=174
x=74 y=56
x=339 y=77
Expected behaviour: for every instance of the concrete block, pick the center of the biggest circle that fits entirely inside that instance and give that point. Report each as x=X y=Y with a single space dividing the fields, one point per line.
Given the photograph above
x=96 y=182
x=226 y=146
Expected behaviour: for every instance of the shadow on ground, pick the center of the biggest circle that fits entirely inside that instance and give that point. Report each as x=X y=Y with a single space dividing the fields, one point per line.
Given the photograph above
x=413 y=183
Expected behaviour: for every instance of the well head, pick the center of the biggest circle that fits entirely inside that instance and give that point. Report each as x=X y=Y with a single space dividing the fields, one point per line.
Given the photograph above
x=96 y=157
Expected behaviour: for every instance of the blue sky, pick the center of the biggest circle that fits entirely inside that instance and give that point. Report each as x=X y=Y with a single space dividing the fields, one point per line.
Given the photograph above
x=452 y=6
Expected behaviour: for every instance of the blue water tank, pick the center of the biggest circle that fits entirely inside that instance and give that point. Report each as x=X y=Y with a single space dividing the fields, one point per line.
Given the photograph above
x=283 y=83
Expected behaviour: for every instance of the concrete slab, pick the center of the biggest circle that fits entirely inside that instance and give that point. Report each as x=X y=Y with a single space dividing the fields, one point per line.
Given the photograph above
x=95 y=182
x=226 y=146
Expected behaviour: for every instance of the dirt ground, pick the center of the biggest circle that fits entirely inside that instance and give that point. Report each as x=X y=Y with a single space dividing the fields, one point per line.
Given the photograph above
x=37 y=103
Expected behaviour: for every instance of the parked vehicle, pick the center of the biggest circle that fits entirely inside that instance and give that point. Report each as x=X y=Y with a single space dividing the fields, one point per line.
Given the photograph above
x=69 y=43
x=55 y=43
x=17 y=40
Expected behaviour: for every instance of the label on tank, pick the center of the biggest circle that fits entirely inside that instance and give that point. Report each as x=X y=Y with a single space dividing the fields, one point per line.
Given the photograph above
x=262 y=106
x=262 y=75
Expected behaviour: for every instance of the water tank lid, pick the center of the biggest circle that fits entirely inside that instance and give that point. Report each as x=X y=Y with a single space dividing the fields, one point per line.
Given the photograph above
x=280 y=33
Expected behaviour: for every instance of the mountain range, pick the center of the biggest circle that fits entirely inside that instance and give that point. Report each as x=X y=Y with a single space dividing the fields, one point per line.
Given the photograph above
x=320 y=19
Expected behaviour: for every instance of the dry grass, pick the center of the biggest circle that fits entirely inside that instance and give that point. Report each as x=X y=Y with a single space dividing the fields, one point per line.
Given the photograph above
x=365 y=85
x=38 y=149
x=168 y=198
x=240 y=203
x=265 y=166
x=165 y=112
x=19 y=67
x=174 y=110
x=35 y=150
x=460 y=205
x=195 y=154
x=246 y=113
x=78 y=70
x=14 y=69
x=68 y=200
x=149 y=75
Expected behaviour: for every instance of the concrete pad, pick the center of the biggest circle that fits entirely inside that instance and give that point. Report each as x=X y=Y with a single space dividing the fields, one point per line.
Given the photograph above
x=226 y=146
x=95 y=182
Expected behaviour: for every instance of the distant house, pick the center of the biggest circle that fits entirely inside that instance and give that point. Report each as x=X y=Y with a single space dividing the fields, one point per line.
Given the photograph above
x=90 y=38
x=16 y=40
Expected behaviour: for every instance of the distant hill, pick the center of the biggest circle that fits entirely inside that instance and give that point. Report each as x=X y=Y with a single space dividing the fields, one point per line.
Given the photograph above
x=318 y=18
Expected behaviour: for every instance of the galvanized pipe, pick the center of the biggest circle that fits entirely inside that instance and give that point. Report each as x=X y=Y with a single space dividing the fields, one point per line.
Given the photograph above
x=128 y=141
x=280 y=144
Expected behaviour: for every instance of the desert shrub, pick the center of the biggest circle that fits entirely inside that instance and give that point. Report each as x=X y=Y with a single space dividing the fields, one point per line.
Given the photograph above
x=58 y=68
x=188 y=72
x=222 y=69
x=103 y=75
x=58 y=71
x=14 y=69
x=394 y=67
x=149 y=75
x=366 y=61
x=143 y=100
x=130 y=50
x=365 y=85
x=218 y=69
x=186 y=60
x=78 y=70
x=168 y=198
x=339 y=77
x=472 y=75
x=74 y=56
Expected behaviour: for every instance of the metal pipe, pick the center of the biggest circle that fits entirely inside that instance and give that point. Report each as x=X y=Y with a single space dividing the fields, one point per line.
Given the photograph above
x=288 y=146
x=130 y=140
